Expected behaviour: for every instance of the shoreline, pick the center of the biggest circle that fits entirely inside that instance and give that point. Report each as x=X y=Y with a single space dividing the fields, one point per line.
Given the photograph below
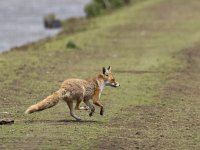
x=22 y=26
x=69 y=26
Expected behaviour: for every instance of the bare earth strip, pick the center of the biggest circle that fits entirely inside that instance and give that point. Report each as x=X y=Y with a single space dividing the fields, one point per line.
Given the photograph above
x=172 y=121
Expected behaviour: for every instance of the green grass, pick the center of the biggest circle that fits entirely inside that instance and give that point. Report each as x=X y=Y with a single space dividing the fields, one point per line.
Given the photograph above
x=138 y=41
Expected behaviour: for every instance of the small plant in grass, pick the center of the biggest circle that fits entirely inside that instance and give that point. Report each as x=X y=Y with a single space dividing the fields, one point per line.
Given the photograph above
x=71 y=44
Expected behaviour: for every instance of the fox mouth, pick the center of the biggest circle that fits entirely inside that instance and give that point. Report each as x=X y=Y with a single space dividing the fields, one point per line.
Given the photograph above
x=115 y=85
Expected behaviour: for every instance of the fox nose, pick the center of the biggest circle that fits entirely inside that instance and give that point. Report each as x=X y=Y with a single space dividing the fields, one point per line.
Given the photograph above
x=117 y=84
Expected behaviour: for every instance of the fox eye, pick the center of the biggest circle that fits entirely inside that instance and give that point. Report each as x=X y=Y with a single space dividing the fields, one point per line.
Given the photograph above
x=106 y=75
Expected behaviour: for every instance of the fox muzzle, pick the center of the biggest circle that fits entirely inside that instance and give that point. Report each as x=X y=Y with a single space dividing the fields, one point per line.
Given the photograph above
x=115 y=84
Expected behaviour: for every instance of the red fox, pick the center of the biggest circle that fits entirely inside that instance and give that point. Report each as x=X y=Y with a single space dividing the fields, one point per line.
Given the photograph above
x=79 y=90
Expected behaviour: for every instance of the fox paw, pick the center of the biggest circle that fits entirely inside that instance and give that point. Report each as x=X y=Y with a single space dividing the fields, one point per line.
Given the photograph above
x=78 y=119
x=90 y=114
x=101 y=112
x=86 y=108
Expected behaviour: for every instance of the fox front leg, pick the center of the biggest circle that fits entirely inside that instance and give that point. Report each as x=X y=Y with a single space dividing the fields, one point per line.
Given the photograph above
x=92 y=108
x=101 y=107
x=97 y=102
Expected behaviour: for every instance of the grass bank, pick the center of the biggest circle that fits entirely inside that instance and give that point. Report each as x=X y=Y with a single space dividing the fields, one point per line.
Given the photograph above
x=143 y=43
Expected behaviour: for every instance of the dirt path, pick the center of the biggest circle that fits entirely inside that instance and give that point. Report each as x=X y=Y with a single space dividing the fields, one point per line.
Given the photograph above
x=173 y=122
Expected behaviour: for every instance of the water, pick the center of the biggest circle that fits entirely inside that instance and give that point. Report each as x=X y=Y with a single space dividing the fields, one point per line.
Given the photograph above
x=21 y=21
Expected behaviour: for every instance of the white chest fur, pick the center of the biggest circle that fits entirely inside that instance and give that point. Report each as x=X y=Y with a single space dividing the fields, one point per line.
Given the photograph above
x=101 y=85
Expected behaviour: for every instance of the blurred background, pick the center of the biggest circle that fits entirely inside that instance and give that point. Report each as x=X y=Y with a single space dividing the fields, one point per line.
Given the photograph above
x=22 y=20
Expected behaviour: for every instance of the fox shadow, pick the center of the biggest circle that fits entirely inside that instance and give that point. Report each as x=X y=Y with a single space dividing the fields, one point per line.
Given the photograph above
x=79 y=122
x=62 y=122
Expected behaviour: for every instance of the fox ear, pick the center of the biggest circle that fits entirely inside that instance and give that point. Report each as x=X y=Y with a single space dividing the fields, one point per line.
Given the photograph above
x=104 y=70
x=109 y=68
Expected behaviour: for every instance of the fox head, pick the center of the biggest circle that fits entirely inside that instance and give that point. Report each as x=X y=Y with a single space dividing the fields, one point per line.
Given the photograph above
x=108 y=77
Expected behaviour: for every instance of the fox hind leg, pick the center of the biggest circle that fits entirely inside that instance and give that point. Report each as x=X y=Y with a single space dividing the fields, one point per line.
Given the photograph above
x=70 y=105
x=77 y=107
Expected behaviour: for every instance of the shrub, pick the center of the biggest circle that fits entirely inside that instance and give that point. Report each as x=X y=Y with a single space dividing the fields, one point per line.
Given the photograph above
x=94 y=9
x=117 y=3
x=97 y=7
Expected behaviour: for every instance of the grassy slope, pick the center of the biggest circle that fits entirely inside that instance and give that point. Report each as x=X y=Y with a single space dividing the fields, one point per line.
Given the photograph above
x=138 y=41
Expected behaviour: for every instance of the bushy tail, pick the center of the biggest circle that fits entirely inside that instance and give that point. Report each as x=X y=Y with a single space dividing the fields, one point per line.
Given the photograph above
x=48 y=102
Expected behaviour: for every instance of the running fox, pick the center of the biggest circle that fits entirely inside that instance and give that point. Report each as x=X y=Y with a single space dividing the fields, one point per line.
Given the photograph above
x=79 y=90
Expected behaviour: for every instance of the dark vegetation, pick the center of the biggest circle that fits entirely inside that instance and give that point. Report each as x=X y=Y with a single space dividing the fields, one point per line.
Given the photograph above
x=71 y=44
x=98 y=7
